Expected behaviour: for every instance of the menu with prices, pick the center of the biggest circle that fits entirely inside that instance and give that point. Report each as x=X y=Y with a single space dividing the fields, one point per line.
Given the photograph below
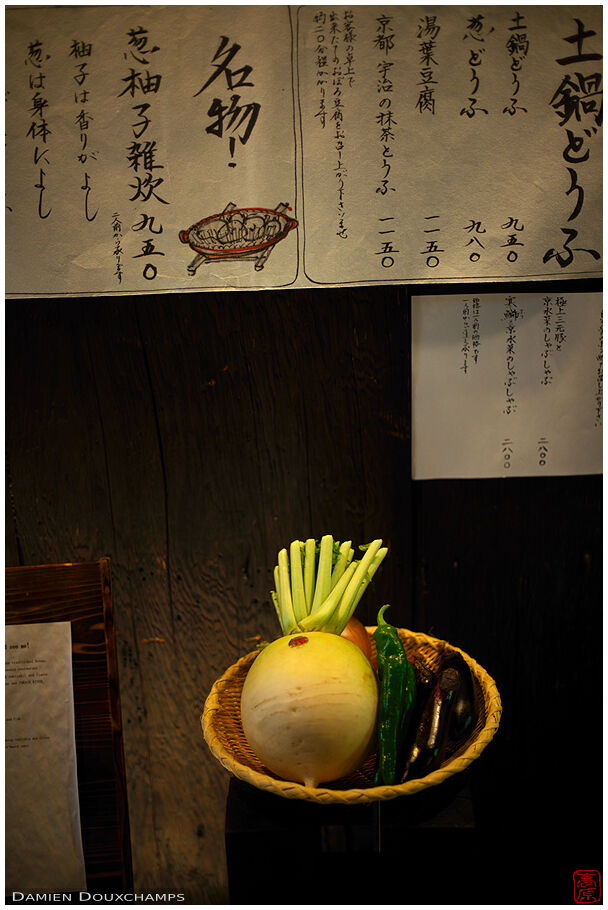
x=43 y=835
x=174 y=148
x=506 y=385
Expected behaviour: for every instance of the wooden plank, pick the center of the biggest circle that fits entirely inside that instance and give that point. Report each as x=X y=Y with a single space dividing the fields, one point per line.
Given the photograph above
x=168 y=792
x=190 y=437
x=510 y=570
x=251 y=463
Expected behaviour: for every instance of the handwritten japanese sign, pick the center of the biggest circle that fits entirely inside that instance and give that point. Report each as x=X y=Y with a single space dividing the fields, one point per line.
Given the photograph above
x=127 y=127
x=459 y=140
x=152 y=149
x=507 y=385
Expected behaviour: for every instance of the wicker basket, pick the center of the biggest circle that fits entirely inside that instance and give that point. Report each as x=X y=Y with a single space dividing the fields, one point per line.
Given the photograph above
x=221 y=723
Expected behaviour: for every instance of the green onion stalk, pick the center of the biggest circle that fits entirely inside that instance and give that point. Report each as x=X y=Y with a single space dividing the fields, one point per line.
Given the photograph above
x=318 y=584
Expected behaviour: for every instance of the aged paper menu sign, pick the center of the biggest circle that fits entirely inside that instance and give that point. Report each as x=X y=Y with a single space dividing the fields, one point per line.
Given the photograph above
x=153 y=148
x=43 y=839
x=506 y=385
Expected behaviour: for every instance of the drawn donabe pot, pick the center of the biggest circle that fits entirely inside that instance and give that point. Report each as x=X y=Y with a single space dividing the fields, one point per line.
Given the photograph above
x=238 y=233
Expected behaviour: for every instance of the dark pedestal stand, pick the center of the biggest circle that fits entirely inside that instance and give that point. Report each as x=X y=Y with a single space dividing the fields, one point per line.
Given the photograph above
x=421 y=849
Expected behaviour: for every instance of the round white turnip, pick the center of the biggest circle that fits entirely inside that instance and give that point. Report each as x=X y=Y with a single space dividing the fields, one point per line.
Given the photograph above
x=308 y=707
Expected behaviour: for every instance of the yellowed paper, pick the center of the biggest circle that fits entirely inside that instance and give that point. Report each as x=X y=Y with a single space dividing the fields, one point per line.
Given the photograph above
x=43 y=838
x=507 y=385
x=127 y=126
x=444 y=149
x=154 y=149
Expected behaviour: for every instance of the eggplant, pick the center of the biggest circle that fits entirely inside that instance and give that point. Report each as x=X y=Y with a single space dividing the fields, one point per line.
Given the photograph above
x=426 y=681
x=463 y=716
x=425 y=678
x=429 y=748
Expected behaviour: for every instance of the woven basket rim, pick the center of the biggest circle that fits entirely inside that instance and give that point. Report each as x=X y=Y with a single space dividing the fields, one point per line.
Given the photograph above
x=356 y=795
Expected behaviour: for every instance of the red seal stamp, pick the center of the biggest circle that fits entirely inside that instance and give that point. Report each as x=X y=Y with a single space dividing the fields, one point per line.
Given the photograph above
x=587 y=886
x=294 y=642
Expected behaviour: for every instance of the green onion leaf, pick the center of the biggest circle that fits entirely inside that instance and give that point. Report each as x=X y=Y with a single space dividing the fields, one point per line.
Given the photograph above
x=289 y=620
x=370 y=574
x=297 y=581
x=347 y=605
x=319 y=618
x=310 y=555
x=341 y=563
x=323 y=585
x=277 y=583
x=275 y=600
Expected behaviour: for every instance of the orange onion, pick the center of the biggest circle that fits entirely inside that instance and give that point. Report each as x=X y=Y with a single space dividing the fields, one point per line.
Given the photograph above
x=356 y=632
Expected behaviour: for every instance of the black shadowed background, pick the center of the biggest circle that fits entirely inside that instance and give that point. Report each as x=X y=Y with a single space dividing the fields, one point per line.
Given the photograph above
x=189 y=437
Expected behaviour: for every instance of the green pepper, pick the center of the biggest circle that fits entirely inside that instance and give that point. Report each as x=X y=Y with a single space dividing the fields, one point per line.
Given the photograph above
x=397 y=693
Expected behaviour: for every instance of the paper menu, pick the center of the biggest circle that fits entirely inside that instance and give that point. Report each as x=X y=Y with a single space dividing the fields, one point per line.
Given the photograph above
x=506 y=385
x=128 y=125
x=443 y=153
x=43 y=835
x=411 y=144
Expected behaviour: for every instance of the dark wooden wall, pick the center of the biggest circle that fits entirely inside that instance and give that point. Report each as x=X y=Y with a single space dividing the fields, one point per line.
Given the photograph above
x=189 y=437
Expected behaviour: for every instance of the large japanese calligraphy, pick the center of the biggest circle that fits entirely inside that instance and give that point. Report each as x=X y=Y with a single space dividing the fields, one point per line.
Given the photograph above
x=152 y=149
x=472 y=145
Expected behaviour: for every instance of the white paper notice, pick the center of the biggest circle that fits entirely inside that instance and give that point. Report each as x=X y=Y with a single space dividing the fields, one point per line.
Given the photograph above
x=173 y=148
x=506 y=385
x=43 y=835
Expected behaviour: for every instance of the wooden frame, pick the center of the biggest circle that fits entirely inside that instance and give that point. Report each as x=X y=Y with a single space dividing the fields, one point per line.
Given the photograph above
x=81 y=593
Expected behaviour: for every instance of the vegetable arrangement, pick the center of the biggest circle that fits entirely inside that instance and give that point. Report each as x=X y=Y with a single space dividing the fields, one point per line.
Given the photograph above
x=310 y=699
x=422 y=718
x=315 y=701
